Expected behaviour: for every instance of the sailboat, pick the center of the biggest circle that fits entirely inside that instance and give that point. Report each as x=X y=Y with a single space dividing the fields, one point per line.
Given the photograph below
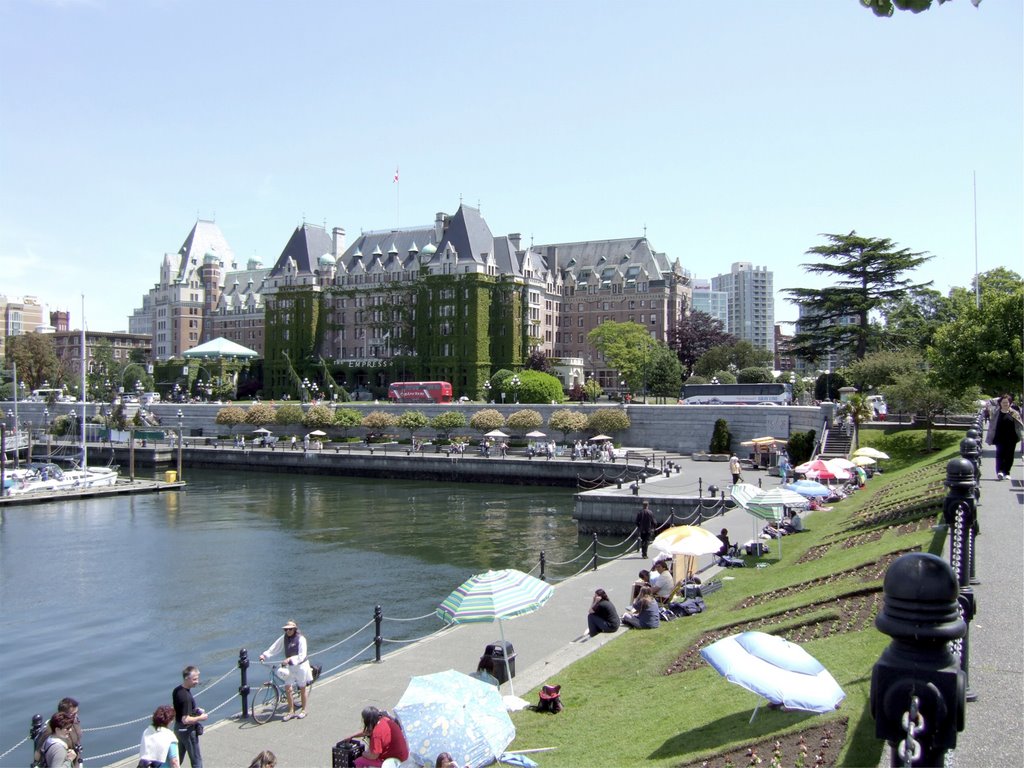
x=50 y=477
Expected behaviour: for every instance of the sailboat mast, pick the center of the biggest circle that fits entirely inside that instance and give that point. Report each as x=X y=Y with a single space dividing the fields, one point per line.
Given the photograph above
x=81 y=419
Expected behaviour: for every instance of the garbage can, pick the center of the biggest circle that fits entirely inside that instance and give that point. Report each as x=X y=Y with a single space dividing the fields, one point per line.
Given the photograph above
x=170 y=476
x=500 y=651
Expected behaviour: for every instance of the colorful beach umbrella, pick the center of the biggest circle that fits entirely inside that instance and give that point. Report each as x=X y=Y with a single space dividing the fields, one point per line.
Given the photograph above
x=874 y=453
x=809 y=488
x=776 y=669
x=453 y=712
x=495 y=596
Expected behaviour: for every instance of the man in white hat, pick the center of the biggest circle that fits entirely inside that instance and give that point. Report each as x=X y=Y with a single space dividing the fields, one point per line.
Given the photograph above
x=296 y=669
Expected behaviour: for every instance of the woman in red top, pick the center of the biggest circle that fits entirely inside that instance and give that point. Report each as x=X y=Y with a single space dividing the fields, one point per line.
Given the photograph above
x=385 y=738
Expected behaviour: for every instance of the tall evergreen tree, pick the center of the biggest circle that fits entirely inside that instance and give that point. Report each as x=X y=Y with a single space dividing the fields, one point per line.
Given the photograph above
x=868 y=272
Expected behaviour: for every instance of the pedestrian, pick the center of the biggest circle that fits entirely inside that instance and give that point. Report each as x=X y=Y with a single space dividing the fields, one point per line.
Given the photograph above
x=384 y=738
x=485 y=671
x=602 y=616
x=188 y=718
x=159 y=745
x=69 y=706
x=297 y=671
x=295 y=447
x=734 y=468
x=56 y=751
x=1005 y=429
x=645 y=525
x=265 y=759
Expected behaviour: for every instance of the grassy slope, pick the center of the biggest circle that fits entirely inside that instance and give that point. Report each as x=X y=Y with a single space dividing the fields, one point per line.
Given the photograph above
x=621 y=707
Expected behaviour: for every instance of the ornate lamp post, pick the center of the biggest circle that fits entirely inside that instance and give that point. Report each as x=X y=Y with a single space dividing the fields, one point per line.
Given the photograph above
x=515 y=387
x=305 y=389
x=487 y=390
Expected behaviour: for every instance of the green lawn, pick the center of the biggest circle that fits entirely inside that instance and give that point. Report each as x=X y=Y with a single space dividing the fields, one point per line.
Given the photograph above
x=623 y=708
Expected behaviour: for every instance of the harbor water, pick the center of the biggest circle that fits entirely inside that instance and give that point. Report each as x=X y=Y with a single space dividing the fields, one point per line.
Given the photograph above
x=107 y=599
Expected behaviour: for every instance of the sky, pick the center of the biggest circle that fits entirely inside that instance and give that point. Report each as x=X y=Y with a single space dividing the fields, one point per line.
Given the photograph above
x=727 y=132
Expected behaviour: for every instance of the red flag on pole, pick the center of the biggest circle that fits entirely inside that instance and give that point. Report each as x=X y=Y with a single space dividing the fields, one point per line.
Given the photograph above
x=396 y=175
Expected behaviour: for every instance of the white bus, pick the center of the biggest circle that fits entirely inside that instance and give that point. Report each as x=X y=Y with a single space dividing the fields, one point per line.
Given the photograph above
x=737 y=394
x=49 y=395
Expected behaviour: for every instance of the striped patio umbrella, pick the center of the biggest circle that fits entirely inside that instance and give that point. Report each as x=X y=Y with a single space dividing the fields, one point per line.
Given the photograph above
x=495 y=595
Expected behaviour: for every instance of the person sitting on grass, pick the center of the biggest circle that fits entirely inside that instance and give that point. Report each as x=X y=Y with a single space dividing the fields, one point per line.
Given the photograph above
x=602 y=616
x=644 y=613
x=643 y=580
x=662 y=584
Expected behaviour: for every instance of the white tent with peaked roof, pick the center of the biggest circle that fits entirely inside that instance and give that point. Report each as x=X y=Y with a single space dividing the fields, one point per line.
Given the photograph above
x=220 y=347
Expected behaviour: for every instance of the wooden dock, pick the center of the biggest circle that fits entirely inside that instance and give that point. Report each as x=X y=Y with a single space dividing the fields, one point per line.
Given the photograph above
x=120 y=488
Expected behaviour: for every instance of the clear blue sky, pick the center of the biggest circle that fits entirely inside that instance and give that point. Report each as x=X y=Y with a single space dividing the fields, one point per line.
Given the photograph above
x=733 y=131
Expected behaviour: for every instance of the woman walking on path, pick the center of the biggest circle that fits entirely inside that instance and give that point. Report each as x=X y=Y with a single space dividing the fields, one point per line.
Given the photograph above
x=1004 y=432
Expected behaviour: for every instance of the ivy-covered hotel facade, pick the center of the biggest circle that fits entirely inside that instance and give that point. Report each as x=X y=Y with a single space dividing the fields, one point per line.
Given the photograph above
x=448 y=301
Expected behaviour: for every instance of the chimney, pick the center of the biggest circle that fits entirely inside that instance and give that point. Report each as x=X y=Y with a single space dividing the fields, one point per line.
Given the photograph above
x=440 y=225
x=339 y=241
x=516 y=238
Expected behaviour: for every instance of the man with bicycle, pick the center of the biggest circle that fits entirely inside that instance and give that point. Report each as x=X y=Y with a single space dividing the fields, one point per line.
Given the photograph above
x=295 y=671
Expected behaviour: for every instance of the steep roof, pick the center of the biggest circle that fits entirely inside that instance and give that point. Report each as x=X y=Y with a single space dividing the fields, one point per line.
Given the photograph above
x=306 y=245
x=204 y=238
x=469 y=235
x=399 y=242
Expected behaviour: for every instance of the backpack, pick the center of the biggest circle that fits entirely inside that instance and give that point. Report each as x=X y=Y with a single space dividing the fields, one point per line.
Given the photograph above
x=550 y=700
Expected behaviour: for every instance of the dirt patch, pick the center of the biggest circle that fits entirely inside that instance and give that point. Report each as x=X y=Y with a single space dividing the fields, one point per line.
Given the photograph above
x=850 y=613
x=818 y=746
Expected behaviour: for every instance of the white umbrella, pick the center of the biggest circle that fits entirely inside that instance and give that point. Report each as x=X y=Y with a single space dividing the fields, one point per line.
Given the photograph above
x=318 y=433
x=495 y=433
x=863 y=461
x=841 y=463
x=600 y=437
x=874 y=453
x=535 y=433
x=261 y=431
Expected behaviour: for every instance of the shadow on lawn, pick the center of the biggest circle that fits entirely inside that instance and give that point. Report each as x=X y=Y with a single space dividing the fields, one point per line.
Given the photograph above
x=711 y=735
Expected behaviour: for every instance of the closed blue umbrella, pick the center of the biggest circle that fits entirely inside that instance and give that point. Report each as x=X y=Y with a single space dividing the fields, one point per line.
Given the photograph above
x=772 y=667
x=453 y=712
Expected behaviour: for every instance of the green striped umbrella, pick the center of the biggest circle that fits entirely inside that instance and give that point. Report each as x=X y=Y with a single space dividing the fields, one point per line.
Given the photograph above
x=495 y=595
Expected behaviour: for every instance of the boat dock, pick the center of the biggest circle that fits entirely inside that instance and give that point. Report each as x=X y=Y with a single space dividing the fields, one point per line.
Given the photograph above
x=120 y=488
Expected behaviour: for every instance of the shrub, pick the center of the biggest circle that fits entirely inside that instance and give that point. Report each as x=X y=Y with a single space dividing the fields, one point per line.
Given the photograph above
x=318 y=417
x=800 y=446
x=289 y=413
x=566 y=421
x=413 y=420
x=486 y=420
x=721 y=438
x=448 y=422
x=260 y=414
x=231 y=416
x=525 y=420
x=608 y=421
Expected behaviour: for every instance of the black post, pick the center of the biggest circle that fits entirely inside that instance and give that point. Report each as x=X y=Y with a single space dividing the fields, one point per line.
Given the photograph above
x=36 y=728
x=700 y=487
x=671 y=517
x=960 y=514
x=243 y=689
x=593 y=557
x=378 y=640
x=543 y=563
x=969 y=450
x=917 y=688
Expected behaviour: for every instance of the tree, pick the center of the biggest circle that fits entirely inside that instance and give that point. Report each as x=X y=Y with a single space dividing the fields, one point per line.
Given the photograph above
x=880 y=368
x=347 y=419
x=539 y=361
x=738 y=356
x=566 y=421
x=755 y=376
x=377 y=423
x=859 y=410
x=36 y=358
x=911 y=320
x=665 y=377
x=721 y=438
x=230 y=417
x=448 y=422
x=260 y=414
x=608 y=421
x=413 y=420
x=525 y=420
x=694 y=335
x=628 y=348
x=592 y=390
x=982 y=346
x=537 y=387
x=886 y=7
x=318 y=416
x=487 y=419
x=289 y=414
x=919 y=393
x=867 y=272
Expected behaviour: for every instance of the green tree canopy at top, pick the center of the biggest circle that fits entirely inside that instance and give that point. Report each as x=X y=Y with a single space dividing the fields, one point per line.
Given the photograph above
x=867 y=272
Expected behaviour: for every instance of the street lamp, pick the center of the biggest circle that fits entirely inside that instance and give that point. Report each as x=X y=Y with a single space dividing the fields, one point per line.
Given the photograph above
x=714 y=380
x=515 y=387
x=305 y=389
x=487 y=390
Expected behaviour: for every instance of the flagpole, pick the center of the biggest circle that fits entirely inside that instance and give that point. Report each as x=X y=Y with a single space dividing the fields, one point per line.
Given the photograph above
x=977 y=288
x=398 y=197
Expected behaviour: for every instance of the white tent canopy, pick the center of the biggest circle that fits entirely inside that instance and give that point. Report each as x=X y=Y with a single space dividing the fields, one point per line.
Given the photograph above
x=220 y=347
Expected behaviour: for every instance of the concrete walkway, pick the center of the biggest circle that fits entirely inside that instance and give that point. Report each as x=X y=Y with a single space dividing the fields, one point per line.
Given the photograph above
x=545 y=642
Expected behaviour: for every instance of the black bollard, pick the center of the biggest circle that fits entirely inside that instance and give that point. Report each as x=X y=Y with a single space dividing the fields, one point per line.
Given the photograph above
x=618 y=483
x=969 y=450
x=961 y=516
x=593 y=559
x=378 y=640
x=543 y=563
x=700 y=488
x=917 y=688
x=635 y=488
x=36 y=728
x=243 y=689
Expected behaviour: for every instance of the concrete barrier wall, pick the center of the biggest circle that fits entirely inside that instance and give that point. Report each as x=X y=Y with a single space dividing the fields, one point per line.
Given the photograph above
x=675 y=428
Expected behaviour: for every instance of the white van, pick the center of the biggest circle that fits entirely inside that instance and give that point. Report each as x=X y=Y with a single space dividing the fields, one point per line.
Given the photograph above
x=149 y=398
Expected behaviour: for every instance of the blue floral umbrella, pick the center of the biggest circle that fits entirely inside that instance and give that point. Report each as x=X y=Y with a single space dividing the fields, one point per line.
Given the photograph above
x=456 y=713
x=772 y=667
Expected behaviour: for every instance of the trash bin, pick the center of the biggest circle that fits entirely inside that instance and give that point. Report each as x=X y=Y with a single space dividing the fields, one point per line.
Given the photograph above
x=170 y=476
x=500 y=651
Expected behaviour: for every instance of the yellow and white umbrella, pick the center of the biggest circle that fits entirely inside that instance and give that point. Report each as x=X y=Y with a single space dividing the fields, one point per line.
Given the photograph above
x=863 y=461
x=873 y=453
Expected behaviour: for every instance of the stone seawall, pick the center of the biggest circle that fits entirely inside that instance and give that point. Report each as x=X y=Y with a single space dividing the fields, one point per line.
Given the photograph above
x=674 y=428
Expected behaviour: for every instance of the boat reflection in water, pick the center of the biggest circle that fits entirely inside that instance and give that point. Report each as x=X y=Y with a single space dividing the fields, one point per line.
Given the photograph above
x=107 y=599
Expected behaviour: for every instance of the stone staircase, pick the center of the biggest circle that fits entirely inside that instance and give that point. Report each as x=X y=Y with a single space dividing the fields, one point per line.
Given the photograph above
x=837 y=445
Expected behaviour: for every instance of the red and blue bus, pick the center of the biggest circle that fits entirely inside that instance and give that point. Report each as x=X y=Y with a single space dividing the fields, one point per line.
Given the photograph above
x=420 y=392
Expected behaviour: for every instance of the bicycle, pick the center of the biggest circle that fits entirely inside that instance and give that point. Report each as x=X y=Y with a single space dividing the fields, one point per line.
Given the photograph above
x=268 y=698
